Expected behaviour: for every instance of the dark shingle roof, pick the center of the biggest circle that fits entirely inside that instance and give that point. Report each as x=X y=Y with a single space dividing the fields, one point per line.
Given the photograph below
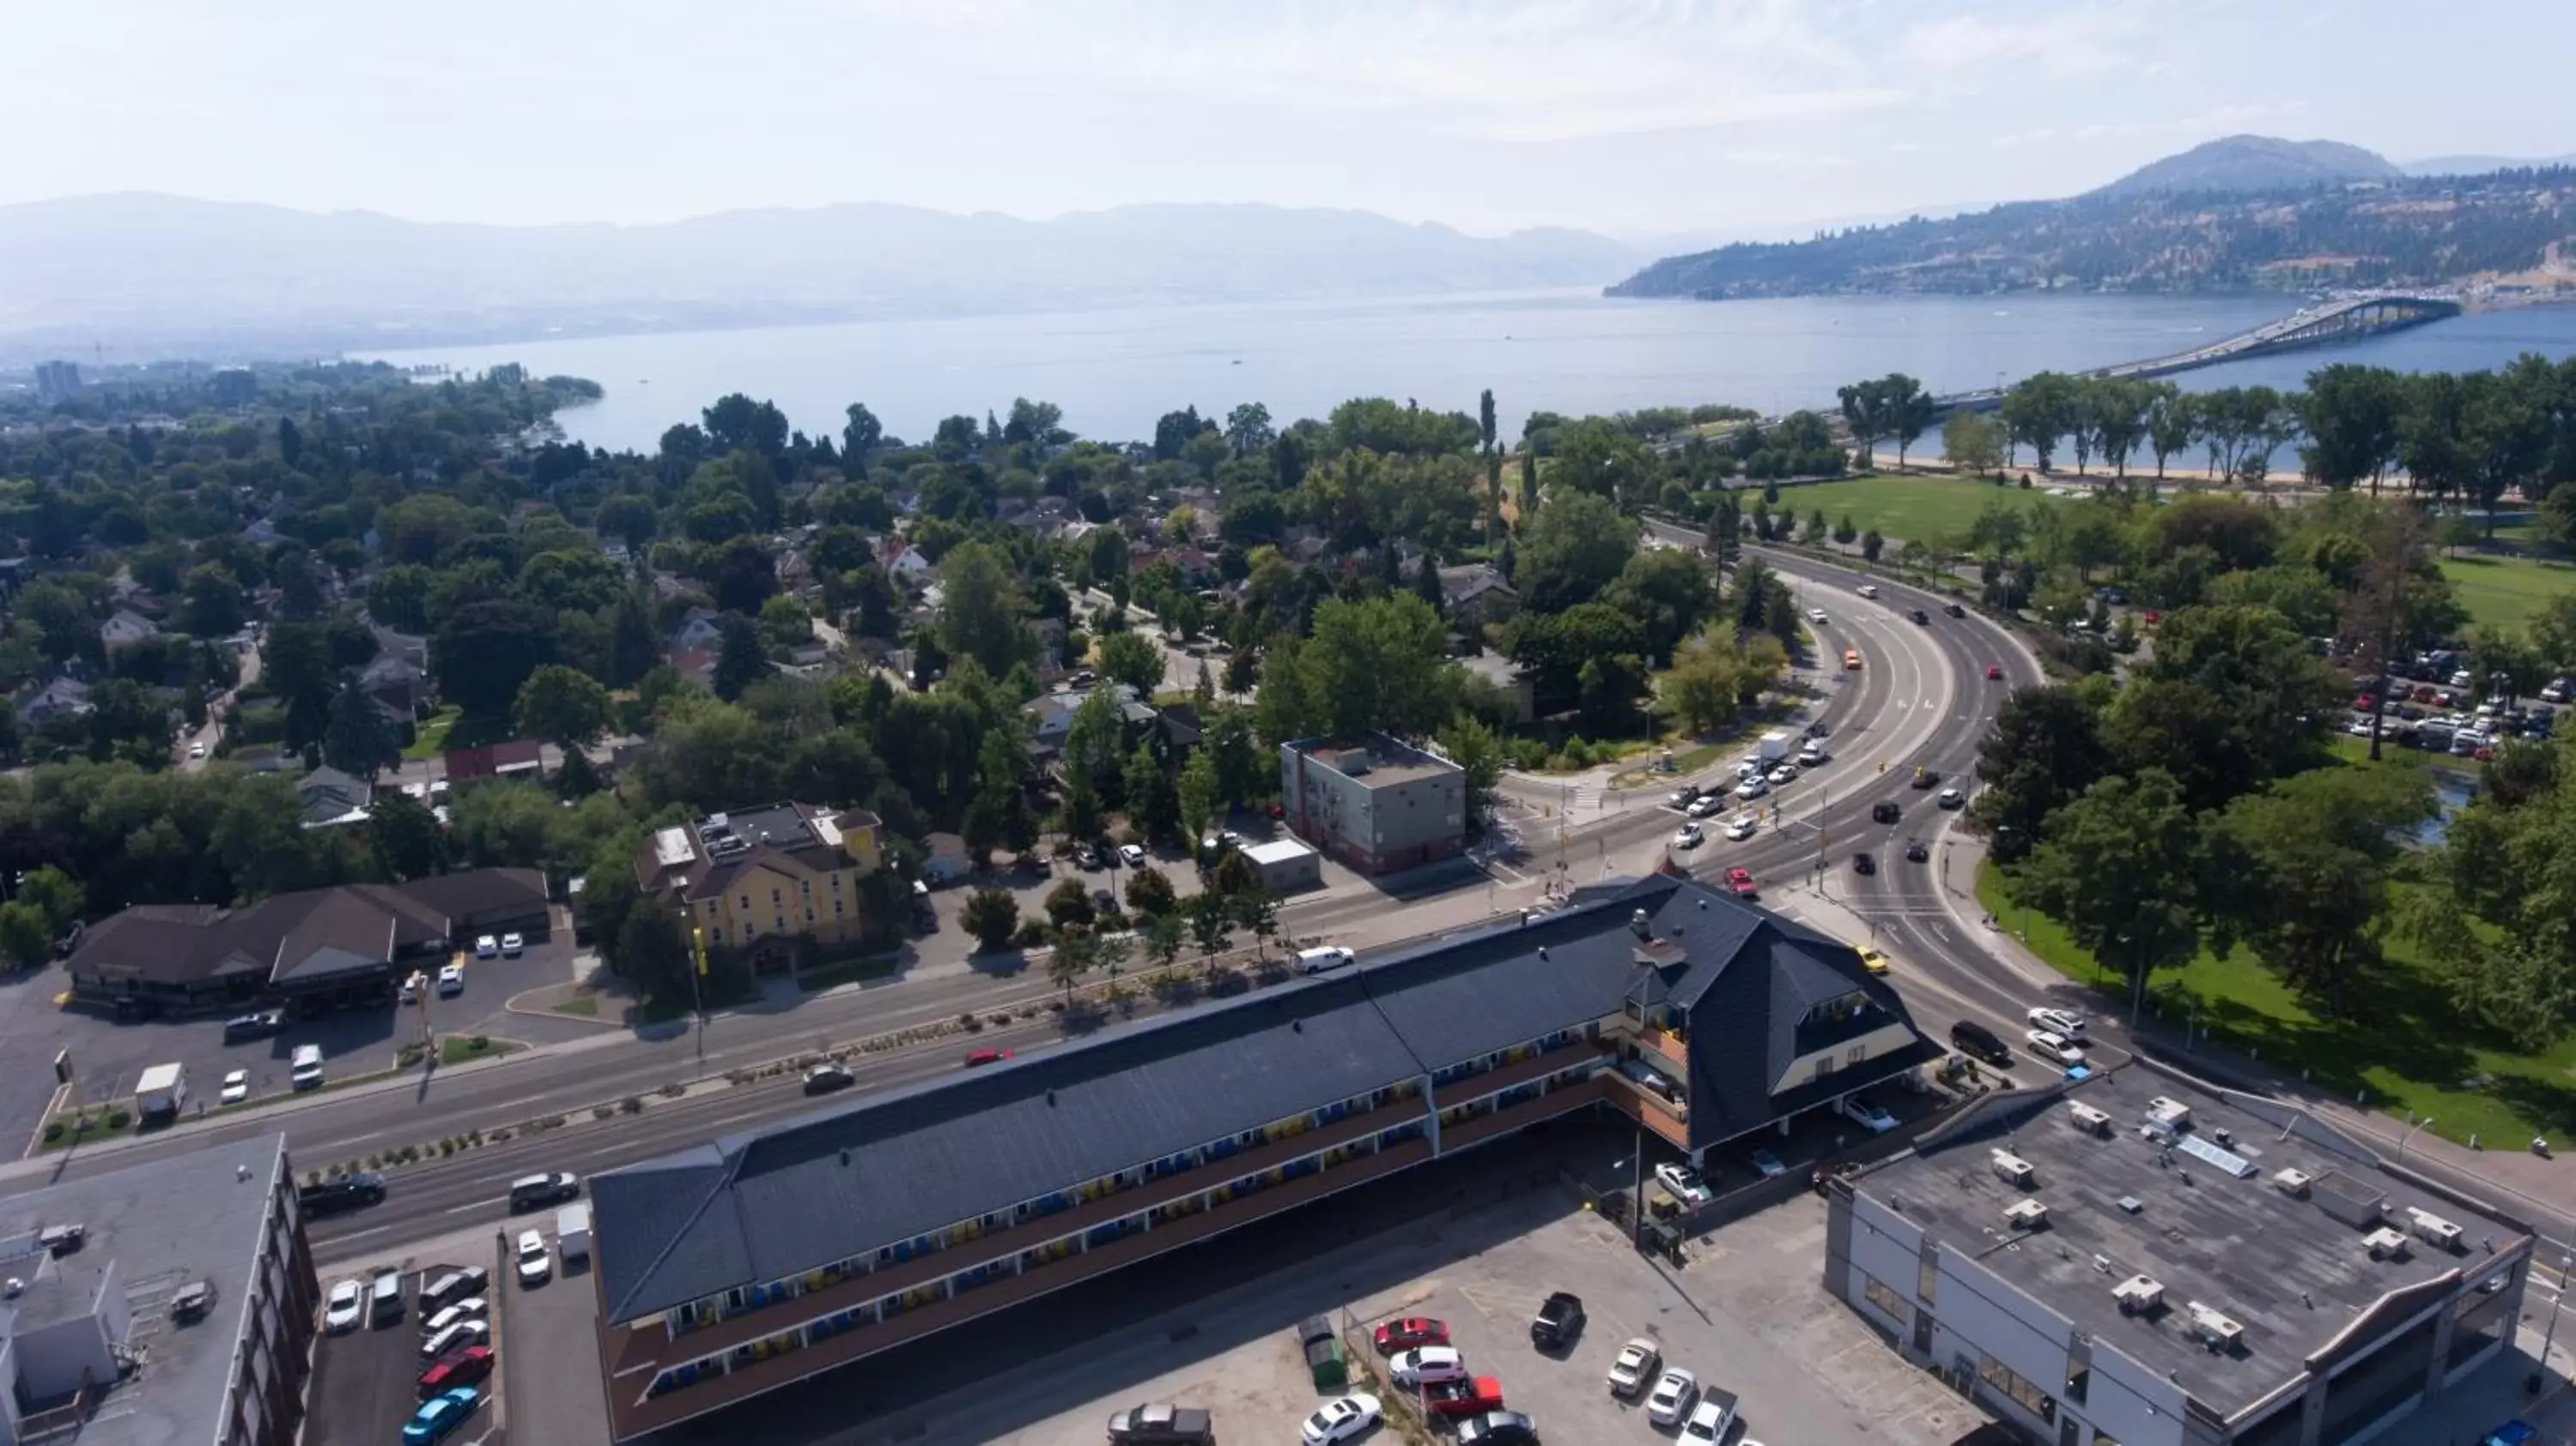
x=891 y=1166
x=301 y=935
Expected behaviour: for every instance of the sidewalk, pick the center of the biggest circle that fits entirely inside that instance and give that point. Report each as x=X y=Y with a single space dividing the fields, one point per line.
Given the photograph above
x=2543 y=1191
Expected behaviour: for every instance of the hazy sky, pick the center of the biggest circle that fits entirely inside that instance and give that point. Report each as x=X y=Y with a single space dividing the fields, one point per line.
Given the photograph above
x=1642 y=119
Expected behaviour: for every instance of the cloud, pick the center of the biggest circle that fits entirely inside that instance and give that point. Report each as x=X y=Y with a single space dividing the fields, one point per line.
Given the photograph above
x=2073 y=46
x=1513 y=70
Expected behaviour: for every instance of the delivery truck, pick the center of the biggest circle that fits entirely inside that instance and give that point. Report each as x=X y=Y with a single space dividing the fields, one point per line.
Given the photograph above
x=1775 y=746
x=572 y=1232
x=162 y=1092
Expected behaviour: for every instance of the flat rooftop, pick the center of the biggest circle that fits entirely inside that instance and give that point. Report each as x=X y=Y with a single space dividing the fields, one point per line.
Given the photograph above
x=2282 y=1266
x=165 y=1224
x=1375 y=759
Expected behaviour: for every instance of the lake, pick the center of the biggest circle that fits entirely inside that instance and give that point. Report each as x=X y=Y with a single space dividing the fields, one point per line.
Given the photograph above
x=1115 y=371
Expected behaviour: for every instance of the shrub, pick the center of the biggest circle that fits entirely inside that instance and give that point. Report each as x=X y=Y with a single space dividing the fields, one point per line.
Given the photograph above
x=118 y=1118
x=601 y=1112
x=53 y=1132
x=632 y=1104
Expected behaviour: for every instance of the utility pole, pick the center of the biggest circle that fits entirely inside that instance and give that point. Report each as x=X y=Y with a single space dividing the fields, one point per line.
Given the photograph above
x=697 y=969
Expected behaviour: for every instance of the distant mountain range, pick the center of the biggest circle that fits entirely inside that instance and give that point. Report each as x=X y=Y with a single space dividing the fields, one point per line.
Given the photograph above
x=2481 y=165
x=2242 y=213
x=153 y=275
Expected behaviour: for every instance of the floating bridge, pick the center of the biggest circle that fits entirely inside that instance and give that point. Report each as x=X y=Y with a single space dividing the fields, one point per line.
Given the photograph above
x=2347 y=319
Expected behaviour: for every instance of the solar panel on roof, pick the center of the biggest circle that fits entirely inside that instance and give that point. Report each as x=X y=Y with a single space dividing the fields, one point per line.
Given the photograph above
x=2228 y=1160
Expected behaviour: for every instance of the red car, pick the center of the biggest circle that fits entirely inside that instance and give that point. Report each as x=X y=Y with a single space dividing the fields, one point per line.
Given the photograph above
x=460 y=1368
x=975 y=1057
x=1463 y=1398
x=1413 y=1330
x=1741 y=883
x=1994 y=671
x=2364 y=702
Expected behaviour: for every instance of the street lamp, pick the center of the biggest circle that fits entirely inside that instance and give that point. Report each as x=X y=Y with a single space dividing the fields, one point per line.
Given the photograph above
x=2549 y=1336
x=2410 y=1134
x=697 y=966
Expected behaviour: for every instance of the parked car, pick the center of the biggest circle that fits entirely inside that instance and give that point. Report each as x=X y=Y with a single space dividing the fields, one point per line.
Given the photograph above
x=1132 y=855
x=1762 y=1160
x=345 y=1307
x=486 y=947
x=1974 y=1039
x=451 y=979
x=236 y=1088
x=463 y=1333
x=823 y=1079
x=471 y=1307
x=1160 y=1423
x=440 y=1415
x=1342 y=1419
x=1636 y=1364
x=2053 y=1047
x=1411 y=1331
x=1498 y=1428
x=535 y=1265
x=455 y=1285
x=1471 y=1397
x=512 y=946
x=1861 y=1112
x=1674 y=1394
x=1709 y=1420
x=464 y=1368
x=1559 y=1321
x=1811 y=753
x=1425 y=1364
x=2057 y=1021
x=254 y=1026
x=1740 y=883
x=1684 y=1183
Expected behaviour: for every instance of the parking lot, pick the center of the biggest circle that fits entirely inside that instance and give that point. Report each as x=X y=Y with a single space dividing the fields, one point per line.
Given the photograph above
x=365 y=1380
x=551 y=1333
x=108 y=1053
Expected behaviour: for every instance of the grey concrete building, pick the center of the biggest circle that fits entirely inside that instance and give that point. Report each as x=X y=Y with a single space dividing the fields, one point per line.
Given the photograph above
x=2141 y=1260
x=1374 y=803
x=173 y=1302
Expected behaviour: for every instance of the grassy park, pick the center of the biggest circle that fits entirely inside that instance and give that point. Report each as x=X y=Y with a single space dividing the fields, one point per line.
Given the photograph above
x=2507 y=592
x=1915 y=509
x=2400 y=1048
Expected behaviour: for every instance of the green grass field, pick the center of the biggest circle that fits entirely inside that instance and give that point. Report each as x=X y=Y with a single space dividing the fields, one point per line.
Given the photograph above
x=1913 y=509
x=2507 y=592
x=2400 y=1049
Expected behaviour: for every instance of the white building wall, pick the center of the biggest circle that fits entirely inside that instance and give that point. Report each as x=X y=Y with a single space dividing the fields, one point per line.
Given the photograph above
x=1887 y=1247
x=2131 y=1404
x=1996 y=1318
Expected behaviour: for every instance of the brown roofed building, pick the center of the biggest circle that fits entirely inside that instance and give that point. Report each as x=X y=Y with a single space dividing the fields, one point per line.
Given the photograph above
x=315 y=945
x=758 y=879
x=516 y=758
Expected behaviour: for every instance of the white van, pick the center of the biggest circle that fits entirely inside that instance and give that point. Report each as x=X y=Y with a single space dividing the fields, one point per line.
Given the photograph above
x=307 y=1063
x=1322 y=960
x=385 y=1298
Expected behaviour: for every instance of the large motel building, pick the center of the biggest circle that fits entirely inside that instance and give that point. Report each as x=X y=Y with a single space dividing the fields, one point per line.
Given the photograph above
x=763 y=1258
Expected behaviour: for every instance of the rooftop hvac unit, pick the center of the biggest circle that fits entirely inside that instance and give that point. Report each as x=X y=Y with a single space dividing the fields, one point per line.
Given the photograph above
x=2171 y=1114
x=2433 y=1230
x=2385 y=1244
x=2139 y=1294
x=2026 y=1214
x=2088 y=1119
x=2290 y=1180
x=2013 y=1170
x=2213 y=1329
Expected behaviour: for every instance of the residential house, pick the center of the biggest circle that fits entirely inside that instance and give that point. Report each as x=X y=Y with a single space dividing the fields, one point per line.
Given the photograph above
x=60 y=698
x=126 y=629
x=698 y=633
x=905 y=562
x=1508 y=678
x=514 y=758
x=331 y=798
x=400 y=688
x=1478 y=593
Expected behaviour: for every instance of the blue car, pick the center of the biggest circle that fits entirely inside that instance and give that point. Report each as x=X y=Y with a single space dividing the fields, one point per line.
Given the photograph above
x=2511 y=1433
x=443 y=1413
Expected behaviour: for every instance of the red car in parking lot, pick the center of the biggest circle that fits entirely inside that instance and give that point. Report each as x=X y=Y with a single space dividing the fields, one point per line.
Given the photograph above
x=461 y=1368
x=1413 y=1330
x=1740 y=882
x=1463 y=1398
